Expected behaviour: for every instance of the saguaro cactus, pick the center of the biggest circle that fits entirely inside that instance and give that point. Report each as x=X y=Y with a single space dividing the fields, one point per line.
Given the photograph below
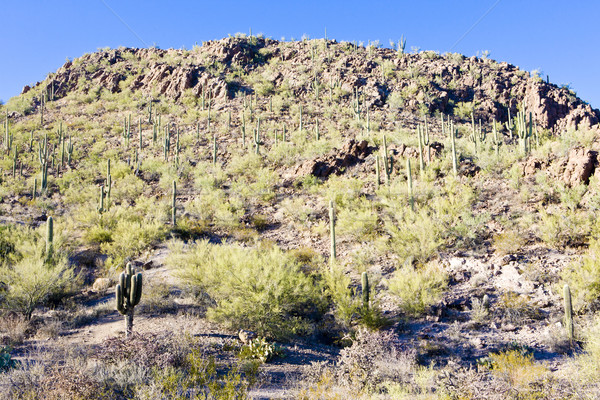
x=569 y=314
x=128 y=294
x=173 y=205
x=332 y=230
x=388 y=166
x=365 y=290
x=49 y=237
x=411 y=198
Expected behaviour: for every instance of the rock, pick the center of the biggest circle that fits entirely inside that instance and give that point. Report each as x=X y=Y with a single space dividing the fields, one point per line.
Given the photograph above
x=468 y=168
x=101 y=284
x=336 y=162
x=532 y=165
x=580 y=165
x=508 y=327
x=26 y=89
x=246 y=336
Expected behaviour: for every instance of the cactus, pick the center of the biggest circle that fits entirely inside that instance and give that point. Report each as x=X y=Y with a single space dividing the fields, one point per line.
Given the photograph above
x=214 y=149
x=317 y=133
x=425 y=136
x=485 y=301
x=300 y=125
x=173 y=205
x=365 y=291
x=453 y=133
x=356 y=105
x=140 y=131
x=411 y=198
x=257 y=137
x=377 y=172
x=401 y=45
x=388 y=166
x=420 y=139
x=34 y=193
x=509 y=125
x=497 y=142
x=101 y=208
x=128 y=294
x=108 y=185
x=49 y=238
x=568 y=314
x=42 y=104
x=332 y=231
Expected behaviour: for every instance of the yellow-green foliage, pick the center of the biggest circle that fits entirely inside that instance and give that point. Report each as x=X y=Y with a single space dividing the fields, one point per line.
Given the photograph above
x=589 y=362
x=30 y=277
x=517 y=369
x=260 y=289
x=583 y=276
x=445 y=219
x=418 y=288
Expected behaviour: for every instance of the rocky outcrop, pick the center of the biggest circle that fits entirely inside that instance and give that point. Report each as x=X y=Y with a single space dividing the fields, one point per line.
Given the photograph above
x=336 y=161
x=578 y=166
x=425 y=81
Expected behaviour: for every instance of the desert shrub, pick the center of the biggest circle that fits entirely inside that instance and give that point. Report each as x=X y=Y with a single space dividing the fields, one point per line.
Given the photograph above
x=346 y=303
x=516 y=308
x=13 y=329
x=199 y=379
x=583 y=275
x=517 y=369
x=443 y=221
x=509 y=241
x=31 y=281
x=418 y=288
x=588 y=362
x=261 y=289
x=564 y=228
x=373 y=359
x=358 y=221
x=147 y=350
x=31 y=277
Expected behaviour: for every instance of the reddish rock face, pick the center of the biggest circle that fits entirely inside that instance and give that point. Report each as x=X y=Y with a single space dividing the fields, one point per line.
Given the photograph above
x=337 y=161
x=580 y=166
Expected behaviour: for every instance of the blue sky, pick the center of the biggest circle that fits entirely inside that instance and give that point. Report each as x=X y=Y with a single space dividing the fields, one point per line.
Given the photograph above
x=558 y=38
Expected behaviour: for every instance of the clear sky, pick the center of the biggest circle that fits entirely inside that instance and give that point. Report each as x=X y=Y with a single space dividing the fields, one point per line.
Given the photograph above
x=559 y=38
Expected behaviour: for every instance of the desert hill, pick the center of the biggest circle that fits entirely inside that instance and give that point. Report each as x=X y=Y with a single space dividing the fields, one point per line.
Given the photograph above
x=387 y=224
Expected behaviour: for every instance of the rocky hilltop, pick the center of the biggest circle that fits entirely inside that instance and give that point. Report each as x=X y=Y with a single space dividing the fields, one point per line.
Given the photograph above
x=414 y=83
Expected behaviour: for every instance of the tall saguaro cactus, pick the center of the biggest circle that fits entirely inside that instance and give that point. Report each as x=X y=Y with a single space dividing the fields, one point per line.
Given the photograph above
x=569 y=314
x=174 y=205
x=332 y=231
x=128 y=293
x=365 y=290
x=49 y=238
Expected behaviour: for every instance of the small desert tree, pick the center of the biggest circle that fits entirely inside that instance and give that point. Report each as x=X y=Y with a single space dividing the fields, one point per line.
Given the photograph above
x=31 y=281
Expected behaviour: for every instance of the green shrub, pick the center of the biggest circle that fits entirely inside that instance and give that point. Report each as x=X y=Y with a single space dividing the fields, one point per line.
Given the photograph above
x=418 y=288
x=263 y=289
x=583 y=275
x=31 y=281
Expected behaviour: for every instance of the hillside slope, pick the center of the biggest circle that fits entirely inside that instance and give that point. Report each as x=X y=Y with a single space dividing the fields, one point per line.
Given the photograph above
x=393 y=220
